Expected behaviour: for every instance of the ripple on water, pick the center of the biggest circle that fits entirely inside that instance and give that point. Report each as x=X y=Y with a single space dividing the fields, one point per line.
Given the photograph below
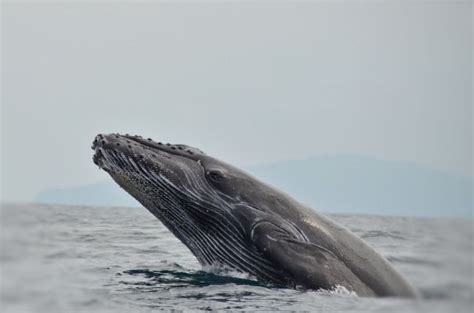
x=183 y=278
x=58 y=258
x=382 y=234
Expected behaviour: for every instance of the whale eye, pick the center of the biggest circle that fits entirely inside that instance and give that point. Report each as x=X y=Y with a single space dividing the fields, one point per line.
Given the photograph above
x=215 y=175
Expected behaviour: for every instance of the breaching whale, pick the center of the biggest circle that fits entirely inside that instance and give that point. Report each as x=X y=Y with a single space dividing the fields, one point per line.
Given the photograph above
x=228 y=218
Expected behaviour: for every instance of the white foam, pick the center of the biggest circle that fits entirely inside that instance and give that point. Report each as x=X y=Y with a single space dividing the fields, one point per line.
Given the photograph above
x=342 y=291
x=222 y=269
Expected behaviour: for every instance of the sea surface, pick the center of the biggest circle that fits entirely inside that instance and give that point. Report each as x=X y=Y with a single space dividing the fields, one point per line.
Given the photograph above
x=105 y=259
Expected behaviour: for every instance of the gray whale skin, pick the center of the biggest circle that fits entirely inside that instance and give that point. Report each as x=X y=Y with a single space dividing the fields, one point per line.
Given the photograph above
x=230 y=219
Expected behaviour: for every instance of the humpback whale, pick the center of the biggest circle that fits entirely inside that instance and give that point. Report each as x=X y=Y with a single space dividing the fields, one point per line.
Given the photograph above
x=229 y=218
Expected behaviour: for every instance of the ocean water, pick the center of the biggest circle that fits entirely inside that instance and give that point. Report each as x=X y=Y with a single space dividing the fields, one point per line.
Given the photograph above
x=95 y=259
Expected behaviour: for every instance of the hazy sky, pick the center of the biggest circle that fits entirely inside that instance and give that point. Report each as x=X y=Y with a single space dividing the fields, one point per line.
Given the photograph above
x=250 y=83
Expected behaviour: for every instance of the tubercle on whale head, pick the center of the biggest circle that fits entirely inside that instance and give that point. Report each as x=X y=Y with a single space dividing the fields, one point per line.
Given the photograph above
x=121 y=142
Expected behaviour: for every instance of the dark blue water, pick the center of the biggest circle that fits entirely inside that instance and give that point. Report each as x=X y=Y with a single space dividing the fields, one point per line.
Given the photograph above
x=82 y=259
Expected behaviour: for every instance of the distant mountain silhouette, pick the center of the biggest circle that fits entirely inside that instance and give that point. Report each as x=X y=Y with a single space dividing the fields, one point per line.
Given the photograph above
x=348 y=184
x=366 y=185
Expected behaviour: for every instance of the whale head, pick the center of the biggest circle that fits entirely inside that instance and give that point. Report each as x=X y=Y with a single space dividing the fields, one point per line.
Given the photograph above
x=194 y=195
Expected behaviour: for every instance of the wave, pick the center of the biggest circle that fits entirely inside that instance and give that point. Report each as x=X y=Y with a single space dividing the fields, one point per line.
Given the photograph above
x=187 y=278
x=451 y=290
x=382 y=234
x=412 y=260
